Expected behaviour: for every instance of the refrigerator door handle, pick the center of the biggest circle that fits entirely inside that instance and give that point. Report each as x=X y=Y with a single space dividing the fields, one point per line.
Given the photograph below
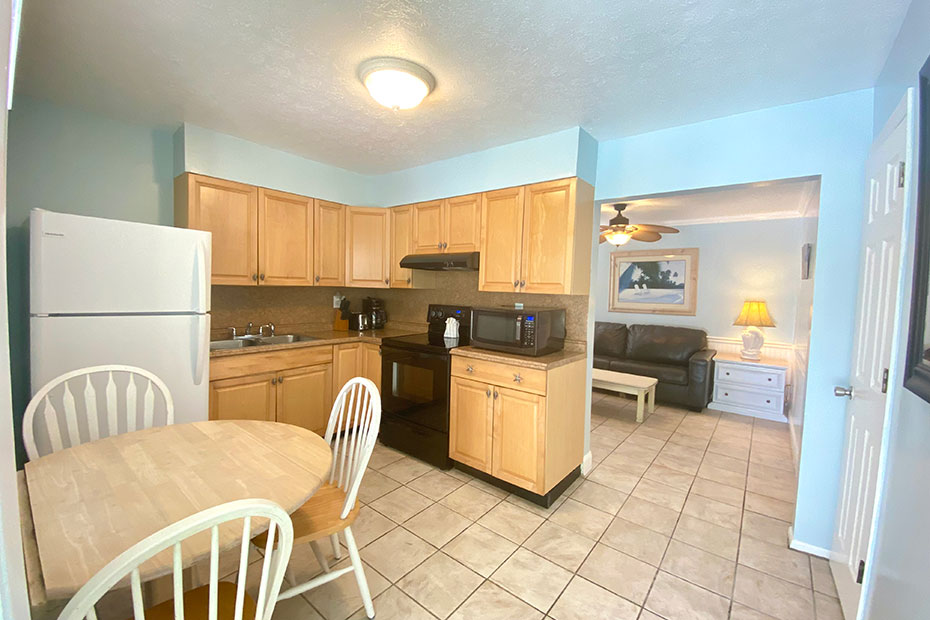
x=203 y=279
x=201 y=347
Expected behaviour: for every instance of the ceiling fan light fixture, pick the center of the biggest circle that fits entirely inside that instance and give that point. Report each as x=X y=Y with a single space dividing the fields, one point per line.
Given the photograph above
x=396 y=83
x=618 y=237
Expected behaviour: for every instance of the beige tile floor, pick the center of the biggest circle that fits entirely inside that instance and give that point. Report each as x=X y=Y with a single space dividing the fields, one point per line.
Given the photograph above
x=684 y=517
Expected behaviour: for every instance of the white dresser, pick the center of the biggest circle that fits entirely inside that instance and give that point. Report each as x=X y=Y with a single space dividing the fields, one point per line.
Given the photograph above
x=750 y=388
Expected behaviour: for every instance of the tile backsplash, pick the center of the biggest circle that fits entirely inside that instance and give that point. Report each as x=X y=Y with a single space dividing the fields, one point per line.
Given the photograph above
x=307 y=307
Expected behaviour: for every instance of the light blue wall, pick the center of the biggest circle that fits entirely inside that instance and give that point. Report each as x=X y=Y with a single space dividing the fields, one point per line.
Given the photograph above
x=66 y=160
x=829 y=137
x=553 y=156
x=737 y=261
x=908 y=54
x=899 y=570
x=226 y=157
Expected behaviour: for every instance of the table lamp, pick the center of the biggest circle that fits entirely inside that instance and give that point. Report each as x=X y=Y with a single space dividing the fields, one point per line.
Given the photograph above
x=753 y=315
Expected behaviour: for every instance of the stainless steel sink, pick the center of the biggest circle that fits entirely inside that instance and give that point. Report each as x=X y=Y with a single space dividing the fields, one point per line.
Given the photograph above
x=236 y=343
x=284 y=339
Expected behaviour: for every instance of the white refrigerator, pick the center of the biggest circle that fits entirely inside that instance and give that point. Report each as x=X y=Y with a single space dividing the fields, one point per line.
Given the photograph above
x=111 y=292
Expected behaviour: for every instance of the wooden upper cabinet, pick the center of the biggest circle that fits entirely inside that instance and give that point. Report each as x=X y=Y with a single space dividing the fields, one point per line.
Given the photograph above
x=519 y=429
x=368 y=252
x=428 y=227
x=228 y=210
x=305 y=396
x=548 y=235
x=462 y=223
x=401 y=244
x=243 y=398
x=285 y=239
x=470 y=423
x=501 y=240
x=329 y=243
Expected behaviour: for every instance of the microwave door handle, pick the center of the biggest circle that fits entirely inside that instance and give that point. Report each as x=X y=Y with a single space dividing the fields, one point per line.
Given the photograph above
x=519 y=325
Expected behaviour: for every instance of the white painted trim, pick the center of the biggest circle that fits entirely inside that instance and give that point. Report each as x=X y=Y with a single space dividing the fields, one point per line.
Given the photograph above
x=587 y=464
x=748 y=217
x=771 y=349
x=797 y=545
x=773 y=417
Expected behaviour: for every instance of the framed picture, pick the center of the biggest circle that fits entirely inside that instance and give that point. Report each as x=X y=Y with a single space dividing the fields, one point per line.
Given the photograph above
x=917 y=373
x=654 y=281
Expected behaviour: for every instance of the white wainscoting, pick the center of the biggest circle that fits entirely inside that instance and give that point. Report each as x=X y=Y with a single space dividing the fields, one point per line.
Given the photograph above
x=782 y=351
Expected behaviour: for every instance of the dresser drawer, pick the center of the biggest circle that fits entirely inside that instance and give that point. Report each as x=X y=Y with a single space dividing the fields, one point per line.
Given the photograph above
x=505 y=375
x=742 y=374
x=771 y=402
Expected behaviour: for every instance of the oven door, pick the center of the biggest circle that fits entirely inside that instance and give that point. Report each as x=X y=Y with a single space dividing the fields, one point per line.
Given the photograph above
x=415 y=387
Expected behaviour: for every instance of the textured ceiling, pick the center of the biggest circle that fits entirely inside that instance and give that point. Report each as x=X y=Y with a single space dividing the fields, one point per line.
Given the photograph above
x=785 y=198
x=283 y=72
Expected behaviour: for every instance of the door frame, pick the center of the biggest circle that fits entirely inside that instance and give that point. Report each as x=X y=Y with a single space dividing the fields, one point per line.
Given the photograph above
x=905 y=111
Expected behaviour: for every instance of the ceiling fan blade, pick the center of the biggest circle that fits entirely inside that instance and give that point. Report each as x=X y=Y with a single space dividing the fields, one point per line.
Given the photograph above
x=603 y=227
x=646 y=235
x=602 y=239
x=656 y=228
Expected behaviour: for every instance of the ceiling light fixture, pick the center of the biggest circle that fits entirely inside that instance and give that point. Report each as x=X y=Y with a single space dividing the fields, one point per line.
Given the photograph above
x=396 y=83
x=618 y=237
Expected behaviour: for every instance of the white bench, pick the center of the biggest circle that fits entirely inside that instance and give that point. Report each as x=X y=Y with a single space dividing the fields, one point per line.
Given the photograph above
x=625 y=383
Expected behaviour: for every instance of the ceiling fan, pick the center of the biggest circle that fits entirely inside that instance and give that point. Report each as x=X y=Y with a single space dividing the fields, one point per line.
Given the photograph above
x=620 y=231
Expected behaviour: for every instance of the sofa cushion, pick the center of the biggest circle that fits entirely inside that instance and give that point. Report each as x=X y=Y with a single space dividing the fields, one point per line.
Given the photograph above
x=603 y=361
x=610 y=339
x=666 y=373
x=664 y=345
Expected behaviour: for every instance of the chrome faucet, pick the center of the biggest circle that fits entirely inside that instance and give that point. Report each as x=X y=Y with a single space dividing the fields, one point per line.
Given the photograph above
x=233 y=330
x=248 y=329
x=270 y=326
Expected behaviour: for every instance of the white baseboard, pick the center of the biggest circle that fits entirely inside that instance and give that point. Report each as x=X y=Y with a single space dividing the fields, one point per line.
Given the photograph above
x=804 y=547
x=762 y=415
x=586 y=464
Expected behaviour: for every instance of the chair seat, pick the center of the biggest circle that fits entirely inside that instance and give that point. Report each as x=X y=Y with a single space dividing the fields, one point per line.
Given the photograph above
x=318 y=517
x=197 y=605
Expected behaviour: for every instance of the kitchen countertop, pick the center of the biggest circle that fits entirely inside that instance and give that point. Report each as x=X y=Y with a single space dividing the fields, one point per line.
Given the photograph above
x=543 y=362
x=323 y=337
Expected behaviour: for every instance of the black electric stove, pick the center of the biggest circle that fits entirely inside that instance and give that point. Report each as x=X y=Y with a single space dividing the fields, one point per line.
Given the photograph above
x=415 y=372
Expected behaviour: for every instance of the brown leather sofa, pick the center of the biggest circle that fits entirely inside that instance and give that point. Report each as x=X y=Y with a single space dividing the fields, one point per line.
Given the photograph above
x=677 y=356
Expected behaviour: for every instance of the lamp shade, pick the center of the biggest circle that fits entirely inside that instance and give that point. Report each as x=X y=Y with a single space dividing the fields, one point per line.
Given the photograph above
x=754 y=313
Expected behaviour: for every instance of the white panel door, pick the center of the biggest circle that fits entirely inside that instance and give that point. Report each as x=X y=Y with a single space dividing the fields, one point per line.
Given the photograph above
x=879 y=292
x=92 y=265
x=174 y=347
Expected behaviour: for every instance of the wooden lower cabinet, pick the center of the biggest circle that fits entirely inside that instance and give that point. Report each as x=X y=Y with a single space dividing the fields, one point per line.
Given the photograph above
x=243 y=398
x=531 y=439
x=519 y=430
x=292 y=386
x=304 y=397
x=356 y=359
x=371 y=363
x=471 y=417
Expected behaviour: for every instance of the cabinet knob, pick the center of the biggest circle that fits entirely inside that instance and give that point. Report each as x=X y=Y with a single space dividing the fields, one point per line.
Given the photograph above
x=316 y=279
x=489 y=392
x=770 y=379
x=408 y=280
x=274 y=381
x=444 y=245
x=280 y=379
x=728 y=374
x=254 y=277
x=516 y=283
x=522 y=283
x=469 y=369
x=767 y=401
x=495 y=393
x=439 y=245
x=726 y=393
x=517 y=378
x=261 y=277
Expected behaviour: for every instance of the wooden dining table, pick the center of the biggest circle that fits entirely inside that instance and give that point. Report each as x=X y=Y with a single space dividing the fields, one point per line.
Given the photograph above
x=91 y=502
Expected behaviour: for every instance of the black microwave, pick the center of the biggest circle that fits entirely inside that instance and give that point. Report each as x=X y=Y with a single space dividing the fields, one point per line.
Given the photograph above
x=524 y=331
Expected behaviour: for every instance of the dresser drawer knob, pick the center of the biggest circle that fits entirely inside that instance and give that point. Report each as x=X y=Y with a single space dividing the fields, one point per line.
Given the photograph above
x=726 y=393
x=728 y=374
x=469 y=369
x=770 y=379
x=767 y=401
x=517 y=378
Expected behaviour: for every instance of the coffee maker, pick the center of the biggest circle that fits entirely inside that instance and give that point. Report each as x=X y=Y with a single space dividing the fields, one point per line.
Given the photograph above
x=374 y=308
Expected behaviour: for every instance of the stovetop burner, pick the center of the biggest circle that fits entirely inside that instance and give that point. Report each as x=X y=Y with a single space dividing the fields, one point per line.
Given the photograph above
x=433 y=340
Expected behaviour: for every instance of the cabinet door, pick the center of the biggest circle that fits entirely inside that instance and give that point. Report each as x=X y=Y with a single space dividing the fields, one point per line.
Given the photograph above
x=470 y=423
x=243 y=398
x=401 y=244
x=368 y=255
x=519 y=419
x=462 y=221
x=347 y=363
x=427 y=227
x=285 y=239
x=329 y=243
x=229 y=211
x=371 y=363
x=501 y=240
x=548 y=234
x=305 y=396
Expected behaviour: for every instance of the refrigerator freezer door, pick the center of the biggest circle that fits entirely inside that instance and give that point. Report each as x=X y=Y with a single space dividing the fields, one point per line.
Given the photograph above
x=90 y=265
x=174 y=347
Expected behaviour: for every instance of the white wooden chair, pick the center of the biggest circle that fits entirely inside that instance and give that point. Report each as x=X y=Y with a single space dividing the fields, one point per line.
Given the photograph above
x=351 y=432
x=97 y=389
x=217 y=599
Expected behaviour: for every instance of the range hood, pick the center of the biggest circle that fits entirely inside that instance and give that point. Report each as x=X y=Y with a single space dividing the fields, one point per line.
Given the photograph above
x=463 y=261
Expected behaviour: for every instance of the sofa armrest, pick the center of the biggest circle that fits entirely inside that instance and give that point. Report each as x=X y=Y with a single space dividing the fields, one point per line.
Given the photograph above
x=700 y=377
